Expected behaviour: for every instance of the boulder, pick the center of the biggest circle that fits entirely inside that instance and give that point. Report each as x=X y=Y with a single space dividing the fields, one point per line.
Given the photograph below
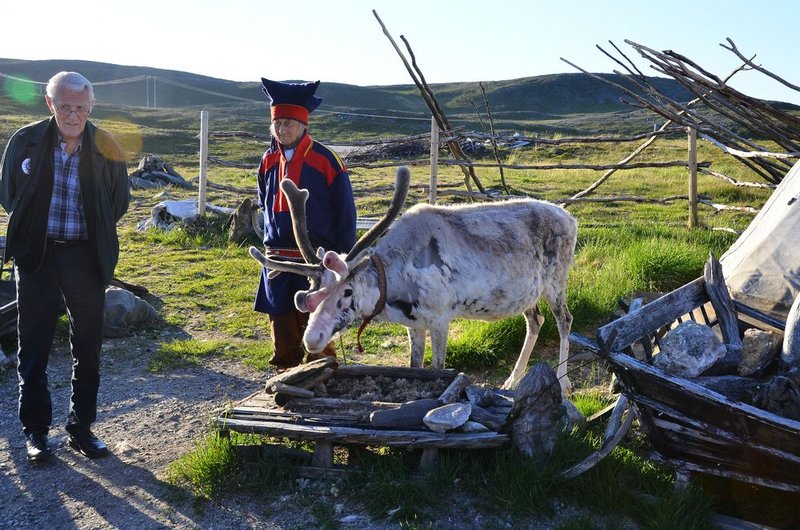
x=689 y=350
x=124 y=311
x=760 y=349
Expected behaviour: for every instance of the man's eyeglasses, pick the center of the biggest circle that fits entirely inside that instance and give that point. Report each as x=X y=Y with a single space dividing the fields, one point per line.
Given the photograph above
x=66 y=109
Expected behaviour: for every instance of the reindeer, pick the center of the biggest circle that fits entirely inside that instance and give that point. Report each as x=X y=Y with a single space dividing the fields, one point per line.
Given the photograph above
x=437 y=263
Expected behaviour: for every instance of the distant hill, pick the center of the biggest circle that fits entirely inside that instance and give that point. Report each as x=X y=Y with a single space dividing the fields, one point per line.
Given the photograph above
x=526 y=98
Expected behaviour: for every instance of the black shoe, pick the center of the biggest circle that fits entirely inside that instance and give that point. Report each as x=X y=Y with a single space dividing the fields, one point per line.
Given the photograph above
x=38 y=450
x=86 y=443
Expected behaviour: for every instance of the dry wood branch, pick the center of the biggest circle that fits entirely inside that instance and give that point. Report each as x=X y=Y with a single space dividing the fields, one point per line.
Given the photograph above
x=433 y=105
x=721 y=207
x=609 y=443
x=596 y=167
x=243 y=165
x=734 y=182
x=715 y=95
x=569 y=139
x=748 y=154
x=223 y=187
x=494 y=143
x=754 y=66
x=666 y=126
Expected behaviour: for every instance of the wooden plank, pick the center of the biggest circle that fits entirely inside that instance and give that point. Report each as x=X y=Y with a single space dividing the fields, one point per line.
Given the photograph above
x=359 y=436
x=653 y=316
x=323 y=455
x=454 y=390
x=363 y=370
x=723 y=305
x=684 y=394
x=428 y=460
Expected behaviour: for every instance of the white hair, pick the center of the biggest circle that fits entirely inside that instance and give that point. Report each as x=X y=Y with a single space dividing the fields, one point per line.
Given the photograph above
x=72 y=81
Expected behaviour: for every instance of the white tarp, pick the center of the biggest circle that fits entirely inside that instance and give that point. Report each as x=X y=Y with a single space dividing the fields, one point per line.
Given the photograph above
x=762 y=268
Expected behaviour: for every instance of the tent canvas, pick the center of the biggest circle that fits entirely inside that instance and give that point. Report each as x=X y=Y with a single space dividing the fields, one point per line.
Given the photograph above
x=762 y=268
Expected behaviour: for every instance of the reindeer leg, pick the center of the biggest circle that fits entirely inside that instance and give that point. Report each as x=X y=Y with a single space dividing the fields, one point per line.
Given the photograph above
x=564 y=323
x=533 y=323
x=416 y=340
x=439 y=344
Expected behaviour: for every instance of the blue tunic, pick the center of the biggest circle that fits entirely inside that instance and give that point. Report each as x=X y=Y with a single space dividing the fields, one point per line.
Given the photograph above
x=330 y=211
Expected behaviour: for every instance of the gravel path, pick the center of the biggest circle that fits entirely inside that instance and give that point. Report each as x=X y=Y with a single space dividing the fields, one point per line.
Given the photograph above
x=147 y=420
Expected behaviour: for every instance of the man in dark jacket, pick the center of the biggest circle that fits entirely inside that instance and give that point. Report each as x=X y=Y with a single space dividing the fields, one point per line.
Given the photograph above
x=331 y=212
x=64 y=185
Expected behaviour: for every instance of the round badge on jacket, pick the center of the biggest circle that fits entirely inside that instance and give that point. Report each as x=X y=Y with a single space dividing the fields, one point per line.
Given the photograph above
x=26 y=166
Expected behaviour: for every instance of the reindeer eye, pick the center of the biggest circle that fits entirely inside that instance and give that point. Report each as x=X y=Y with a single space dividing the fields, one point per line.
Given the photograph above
x=348 y=292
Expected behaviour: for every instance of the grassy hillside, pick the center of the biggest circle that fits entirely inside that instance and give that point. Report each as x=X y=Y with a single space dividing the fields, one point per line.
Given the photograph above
x=529 y=98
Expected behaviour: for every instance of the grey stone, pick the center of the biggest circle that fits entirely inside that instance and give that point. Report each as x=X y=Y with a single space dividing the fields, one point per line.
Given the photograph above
x=689 y=350
x=759 y=350
x=447 y=417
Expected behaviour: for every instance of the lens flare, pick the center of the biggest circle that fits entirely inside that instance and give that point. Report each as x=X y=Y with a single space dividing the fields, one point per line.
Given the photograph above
x=127 y=134
x=20 y=90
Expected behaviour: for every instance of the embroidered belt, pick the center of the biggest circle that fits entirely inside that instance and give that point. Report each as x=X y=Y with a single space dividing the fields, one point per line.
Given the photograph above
x=284 y=252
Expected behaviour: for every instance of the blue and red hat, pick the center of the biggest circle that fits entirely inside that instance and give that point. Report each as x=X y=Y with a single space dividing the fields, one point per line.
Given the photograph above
x=291 y=100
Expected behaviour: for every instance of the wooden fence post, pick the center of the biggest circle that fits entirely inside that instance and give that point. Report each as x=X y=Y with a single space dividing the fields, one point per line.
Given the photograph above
x=434 y=160
x=201 y=185
x=692 y=176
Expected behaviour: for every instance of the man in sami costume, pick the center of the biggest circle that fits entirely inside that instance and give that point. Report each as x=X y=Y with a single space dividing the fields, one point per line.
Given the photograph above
x=331 y=212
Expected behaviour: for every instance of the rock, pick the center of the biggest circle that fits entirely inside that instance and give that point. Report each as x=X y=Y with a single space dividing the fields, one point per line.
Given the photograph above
x=536 y=413
x=473 y=426
x=124 y=310
x=447 y=417
x=689 y=350
x=246 y=221
x=759 y=351
x=571 y=417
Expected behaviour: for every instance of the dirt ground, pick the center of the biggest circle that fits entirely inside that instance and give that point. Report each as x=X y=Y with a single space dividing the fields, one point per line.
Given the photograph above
x=149 y=420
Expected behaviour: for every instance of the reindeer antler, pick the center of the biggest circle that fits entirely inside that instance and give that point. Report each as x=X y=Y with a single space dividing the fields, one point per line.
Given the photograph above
x=297 y=209
x=402 y=180
x=304 y=269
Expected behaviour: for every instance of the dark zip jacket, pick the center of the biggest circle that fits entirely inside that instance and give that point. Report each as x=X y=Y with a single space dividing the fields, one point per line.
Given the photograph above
x=26 y=187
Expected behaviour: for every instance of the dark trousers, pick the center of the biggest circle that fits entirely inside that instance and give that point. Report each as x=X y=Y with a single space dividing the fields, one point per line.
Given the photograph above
x=70 y=274
x=287 y=339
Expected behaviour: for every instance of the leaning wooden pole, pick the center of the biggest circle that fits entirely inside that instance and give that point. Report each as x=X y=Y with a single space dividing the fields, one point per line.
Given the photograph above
x=692 y=147
x=433 y=105
x=494 y=142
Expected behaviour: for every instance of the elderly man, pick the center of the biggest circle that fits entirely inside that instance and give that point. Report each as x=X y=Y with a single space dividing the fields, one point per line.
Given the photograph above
x=331 y=210
x=64 y=185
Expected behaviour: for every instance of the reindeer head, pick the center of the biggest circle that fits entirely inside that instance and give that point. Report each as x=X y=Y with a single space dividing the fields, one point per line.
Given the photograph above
x=330 y=299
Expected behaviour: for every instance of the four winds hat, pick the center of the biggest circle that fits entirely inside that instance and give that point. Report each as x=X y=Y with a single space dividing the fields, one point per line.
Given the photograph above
x=291 y=100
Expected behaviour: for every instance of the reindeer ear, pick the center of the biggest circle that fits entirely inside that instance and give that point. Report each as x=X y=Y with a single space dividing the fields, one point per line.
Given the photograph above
x=334 y=263
x=300 y=301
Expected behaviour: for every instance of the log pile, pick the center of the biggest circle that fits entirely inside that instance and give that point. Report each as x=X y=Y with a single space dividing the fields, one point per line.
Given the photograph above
x=152 y=172
x=414 y=399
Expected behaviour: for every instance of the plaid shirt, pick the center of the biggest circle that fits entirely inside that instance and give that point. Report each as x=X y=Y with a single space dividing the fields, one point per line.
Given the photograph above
x=66 y=220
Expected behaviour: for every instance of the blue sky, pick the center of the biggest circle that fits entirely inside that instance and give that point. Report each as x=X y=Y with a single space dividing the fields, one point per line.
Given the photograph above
x=464 y=40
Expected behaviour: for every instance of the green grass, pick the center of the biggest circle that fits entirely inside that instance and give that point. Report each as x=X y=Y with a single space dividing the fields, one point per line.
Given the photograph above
x=621 y=489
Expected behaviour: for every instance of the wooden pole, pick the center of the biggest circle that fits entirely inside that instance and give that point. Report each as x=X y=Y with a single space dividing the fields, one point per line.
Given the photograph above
x=692 y=176
x=434 y=159
x=201 y=193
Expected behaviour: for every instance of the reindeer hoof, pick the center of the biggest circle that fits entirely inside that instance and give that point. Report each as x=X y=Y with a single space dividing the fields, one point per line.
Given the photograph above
x=510 y=383
x=566 y=386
